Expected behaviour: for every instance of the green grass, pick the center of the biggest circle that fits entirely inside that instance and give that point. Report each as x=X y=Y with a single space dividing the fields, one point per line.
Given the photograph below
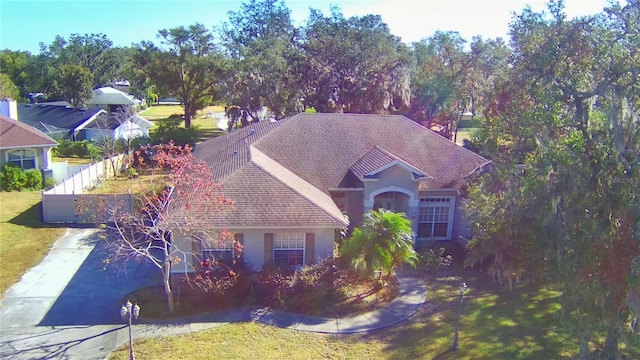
x=496 y=323
x=157 y=112
x=24 y=238
x=464 y=134
x=208 y=127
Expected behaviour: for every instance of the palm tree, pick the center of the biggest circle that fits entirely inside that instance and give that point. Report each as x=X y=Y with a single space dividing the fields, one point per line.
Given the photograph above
x=384 y=241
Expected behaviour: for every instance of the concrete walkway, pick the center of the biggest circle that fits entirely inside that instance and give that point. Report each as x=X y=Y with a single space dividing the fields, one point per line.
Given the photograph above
x=67 y=307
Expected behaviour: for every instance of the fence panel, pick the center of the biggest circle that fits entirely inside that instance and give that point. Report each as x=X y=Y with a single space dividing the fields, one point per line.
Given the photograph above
x=67 y=202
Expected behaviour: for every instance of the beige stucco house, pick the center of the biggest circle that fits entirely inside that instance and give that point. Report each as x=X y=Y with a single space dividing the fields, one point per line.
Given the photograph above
x=292 y=180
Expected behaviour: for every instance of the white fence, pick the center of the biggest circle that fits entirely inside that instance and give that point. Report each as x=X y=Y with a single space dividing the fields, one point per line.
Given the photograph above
x=67 y=202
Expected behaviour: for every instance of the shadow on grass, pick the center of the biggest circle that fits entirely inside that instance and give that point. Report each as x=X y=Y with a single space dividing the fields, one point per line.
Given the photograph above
x=32 y=218
x=495 y=322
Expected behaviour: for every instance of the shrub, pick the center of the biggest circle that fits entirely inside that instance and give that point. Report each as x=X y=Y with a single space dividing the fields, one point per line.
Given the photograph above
x=14 y=178
x=83 y=149
x=169 y=130
x=310 y=289
x=433 y=259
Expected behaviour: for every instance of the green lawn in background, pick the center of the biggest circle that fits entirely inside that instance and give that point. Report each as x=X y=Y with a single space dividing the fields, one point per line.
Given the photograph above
x=496 y=323
x=163 y=111
x=24 y=238
x=208 y=126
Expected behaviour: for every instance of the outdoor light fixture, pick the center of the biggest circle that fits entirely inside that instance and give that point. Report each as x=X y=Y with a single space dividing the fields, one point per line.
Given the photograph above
x=129 y=313
x=454 y=346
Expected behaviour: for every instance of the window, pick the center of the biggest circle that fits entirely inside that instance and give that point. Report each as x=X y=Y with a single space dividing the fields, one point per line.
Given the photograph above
x=435 y=218
x=288 y=249
x=24 y=158
x=218 y=253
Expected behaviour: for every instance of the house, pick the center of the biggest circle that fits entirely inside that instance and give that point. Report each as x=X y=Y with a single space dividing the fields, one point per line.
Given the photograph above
x=132 y=127
x=65 y=122
x=23 y=146
x=292 y=180
x=111 y=100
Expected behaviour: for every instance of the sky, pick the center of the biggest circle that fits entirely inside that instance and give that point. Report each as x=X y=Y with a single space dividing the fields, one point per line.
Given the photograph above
x=26 y=23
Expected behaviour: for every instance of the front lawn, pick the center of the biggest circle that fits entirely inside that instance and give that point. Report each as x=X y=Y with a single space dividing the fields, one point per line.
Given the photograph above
x=24 y=238
x=496 y=323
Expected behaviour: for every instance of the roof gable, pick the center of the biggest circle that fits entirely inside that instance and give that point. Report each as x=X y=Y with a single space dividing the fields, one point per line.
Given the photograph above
x=14 y=134
x=378 y=160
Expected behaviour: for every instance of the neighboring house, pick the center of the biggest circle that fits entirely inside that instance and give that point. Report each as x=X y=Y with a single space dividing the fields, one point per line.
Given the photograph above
x=112 y=100
x=292 y=180
x=23 y=146
x=65 y=122
x=132 y=127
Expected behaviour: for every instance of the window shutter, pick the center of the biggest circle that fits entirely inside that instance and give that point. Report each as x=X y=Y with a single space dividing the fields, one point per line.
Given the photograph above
x=196 y=253
x=268 y=249
x=309 y=246
x=240 y=239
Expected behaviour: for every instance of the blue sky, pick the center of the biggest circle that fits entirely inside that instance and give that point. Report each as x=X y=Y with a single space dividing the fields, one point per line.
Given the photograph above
x=26 y=23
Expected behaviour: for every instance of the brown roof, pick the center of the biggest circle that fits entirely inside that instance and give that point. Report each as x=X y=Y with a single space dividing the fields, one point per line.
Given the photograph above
x=280 y=173
x=14 y=134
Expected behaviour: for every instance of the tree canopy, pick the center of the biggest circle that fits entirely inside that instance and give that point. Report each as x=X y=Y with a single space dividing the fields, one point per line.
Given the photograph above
x=562 y=203
x=185 y=65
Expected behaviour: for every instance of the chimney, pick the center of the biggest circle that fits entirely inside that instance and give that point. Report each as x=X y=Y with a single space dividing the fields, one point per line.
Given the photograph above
x=9 y=108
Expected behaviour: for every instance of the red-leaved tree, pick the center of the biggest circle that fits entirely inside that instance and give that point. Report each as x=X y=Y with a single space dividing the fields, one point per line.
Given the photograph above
x=166 y=227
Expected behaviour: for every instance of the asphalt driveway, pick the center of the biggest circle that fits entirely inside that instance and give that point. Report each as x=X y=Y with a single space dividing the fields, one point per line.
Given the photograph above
x=68 y=305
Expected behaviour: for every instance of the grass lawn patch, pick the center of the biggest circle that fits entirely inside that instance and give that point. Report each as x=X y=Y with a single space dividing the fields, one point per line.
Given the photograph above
x=207 y=127
x=122 y=183
x=163 y=111
x=464 y=134
x=74 y=160
x=496 y=323
x=24 y=238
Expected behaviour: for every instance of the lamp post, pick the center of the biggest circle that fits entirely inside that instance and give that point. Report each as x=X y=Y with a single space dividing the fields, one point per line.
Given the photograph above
x=129 y=313
x=454 y=345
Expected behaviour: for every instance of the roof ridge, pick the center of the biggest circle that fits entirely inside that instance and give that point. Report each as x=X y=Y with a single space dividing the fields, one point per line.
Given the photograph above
x=295 y=182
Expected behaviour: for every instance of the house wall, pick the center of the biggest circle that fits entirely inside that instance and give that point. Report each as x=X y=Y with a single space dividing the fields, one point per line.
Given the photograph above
x=355 y=208
x=394 y=179
x=253 y=252
x=95 y=134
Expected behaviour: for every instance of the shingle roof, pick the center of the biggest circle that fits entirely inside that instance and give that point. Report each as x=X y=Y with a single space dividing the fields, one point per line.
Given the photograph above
x=14 y=134
x=58 y=116
x=279 y=173
x=262 y=200
x=111 y=96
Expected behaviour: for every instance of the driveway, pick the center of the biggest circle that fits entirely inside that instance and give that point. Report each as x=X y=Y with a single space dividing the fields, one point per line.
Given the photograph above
x=67 y=307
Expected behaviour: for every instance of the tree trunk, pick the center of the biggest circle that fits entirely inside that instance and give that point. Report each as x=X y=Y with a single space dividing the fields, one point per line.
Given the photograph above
x=584 y=347
x=187 y=114
x=166 y=280
x=611 y=344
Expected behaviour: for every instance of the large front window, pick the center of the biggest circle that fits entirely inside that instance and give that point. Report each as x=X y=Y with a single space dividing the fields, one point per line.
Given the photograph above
x=435 y=218
x=23 y=158
x=288 y=249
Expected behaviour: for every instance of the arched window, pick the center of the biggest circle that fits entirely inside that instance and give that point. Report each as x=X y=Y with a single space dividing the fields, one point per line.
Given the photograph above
x=23 y=158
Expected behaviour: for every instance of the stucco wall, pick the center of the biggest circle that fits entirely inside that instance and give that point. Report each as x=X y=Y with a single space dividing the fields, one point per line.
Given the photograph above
x=254 y=246
x=394 y=178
